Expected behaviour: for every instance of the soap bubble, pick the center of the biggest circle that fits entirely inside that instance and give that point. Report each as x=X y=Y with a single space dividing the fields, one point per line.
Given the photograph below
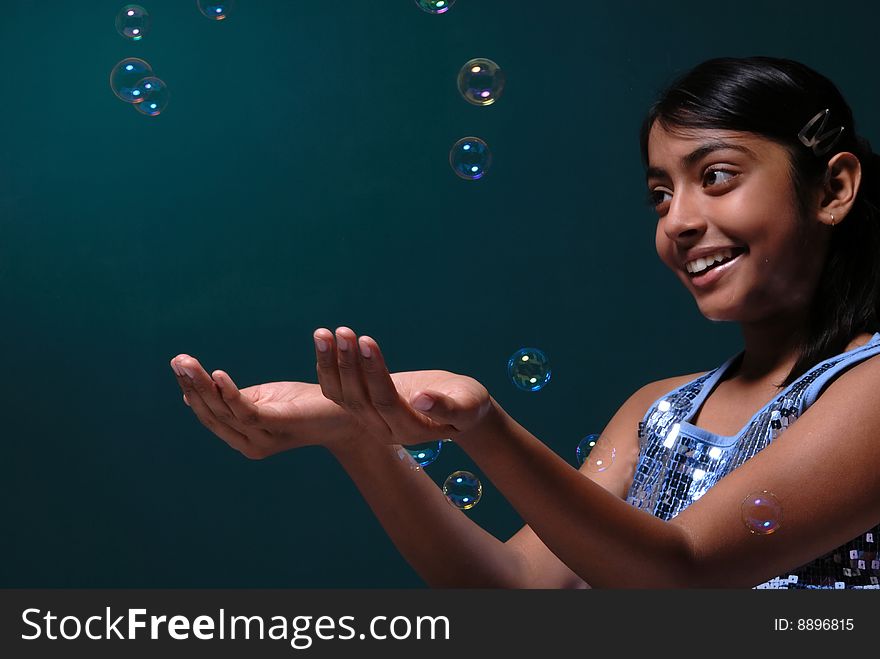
x=215 y=9
x=435 y=6
x=425 y=453
x=529 y=369
x=405 y=456
x=481 y=81
x=600 y=458
x=470 y=158
x=133 y=22
x=463 y=489
x=585 y=446
x=762 y=512
x=126 y=75
x=154 y=93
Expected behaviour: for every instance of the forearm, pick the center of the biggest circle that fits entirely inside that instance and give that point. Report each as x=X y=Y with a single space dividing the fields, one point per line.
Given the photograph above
x=604 y=540
x=445 y=547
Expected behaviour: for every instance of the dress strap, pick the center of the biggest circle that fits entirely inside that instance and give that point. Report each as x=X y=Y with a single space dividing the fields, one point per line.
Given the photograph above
x=844 y=362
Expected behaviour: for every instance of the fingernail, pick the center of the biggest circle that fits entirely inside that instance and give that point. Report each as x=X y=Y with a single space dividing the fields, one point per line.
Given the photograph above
x=189 y=372
x=423 y=403
x=218 y=381
x=321 y=344
x=365 y=350
x=175 y=368
x=342 y=343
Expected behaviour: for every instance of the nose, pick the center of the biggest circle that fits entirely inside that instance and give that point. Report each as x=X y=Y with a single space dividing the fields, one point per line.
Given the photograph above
x=683 y=217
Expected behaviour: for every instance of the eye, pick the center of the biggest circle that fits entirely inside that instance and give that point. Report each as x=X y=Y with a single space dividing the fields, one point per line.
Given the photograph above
x=655 y=197
x=710 y=172
x=651 y=198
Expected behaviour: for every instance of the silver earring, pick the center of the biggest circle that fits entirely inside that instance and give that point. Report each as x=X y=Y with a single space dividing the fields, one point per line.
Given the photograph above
x=832 y=219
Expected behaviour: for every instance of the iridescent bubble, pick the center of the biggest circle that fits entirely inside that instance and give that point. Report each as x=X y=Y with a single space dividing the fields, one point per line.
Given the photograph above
x=405 y=456
x=425 y=453
x=126 y=75
x=762 y=512
x=215 y=9
x=435 y=6
x=529 y=369
x=600 y=458
x=463 y=489
x=585 y=446
x=133 y=22
x=470 y=158
x=154 y=93
x=481 y=81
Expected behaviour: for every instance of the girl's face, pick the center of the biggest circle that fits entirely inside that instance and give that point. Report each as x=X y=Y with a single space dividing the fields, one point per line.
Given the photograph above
x=721 y=188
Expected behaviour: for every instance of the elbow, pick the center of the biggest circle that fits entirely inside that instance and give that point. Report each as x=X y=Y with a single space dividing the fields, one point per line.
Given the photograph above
x=697 y=569
x=687 y=567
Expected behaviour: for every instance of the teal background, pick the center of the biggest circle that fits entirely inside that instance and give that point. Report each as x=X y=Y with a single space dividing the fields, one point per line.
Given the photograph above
x=299 y=179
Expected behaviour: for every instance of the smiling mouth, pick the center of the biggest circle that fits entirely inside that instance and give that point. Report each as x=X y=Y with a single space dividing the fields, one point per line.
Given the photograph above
x=735 y=253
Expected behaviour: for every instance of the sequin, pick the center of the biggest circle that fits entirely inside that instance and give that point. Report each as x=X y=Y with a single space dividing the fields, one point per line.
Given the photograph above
x=679 y=462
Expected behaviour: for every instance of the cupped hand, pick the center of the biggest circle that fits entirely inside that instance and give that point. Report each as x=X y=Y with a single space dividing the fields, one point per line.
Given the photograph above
x=264 y=419
x=403 y=408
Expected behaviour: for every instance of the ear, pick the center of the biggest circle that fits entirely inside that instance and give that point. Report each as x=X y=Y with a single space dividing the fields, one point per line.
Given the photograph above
x=840 y=186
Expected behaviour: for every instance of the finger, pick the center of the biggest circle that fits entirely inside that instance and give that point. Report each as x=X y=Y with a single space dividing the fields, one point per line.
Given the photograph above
x=237 y=440
x=180 y=376
x=245 y=412
x=381 y=389
x=203 y=413
x=396 y=412
x=456 y=411
x=208 y=391
x=326 y=366
x=356 y=398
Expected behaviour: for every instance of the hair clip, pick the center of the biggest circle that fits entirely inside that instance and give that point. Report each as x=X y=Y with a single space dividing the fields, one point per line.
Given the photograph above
x=818 y=136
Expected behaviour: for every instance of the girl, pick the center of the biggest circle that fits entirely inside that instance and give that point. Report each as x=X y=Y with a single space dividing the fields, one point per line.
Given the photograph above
x=762 y=472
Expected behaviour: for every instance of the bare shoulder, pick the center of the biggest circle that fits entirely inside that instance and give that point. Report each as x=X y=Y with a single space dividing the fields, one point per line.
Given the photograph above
x=611 y=464
x=654 y=390
x=677 y=380
x=619 y=443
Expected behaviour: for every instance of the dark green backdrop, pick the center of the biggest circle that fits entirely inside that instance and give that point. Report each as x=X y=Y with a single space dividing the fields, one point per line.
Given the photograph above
x=299 y=179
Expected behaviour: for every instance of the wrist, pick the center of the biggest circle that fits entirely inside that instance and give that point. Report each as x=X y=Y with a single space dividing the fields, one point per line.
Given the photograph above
x=351 y=445
x=357 y=445
x=361 y=453
x=491 y=422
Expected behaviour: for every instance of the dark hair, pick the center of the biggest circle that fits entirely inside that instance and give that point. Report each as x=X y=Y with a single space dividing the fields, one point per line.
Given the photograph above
x=774 y=98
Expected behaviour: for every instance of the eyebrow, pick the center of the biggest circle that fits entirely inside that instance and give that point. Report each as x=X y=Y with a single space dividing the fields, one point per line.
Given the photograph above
x=697 y=154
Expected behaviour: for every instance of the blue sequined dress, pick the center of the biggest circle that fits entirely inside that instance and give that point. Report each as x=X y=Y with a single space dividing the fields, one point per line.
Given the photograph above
x=679 y=462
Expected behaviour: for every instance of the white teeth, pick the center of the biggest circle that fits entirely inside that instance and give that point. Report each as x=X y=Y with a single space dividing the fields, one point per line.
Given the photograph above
x=701 y=264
